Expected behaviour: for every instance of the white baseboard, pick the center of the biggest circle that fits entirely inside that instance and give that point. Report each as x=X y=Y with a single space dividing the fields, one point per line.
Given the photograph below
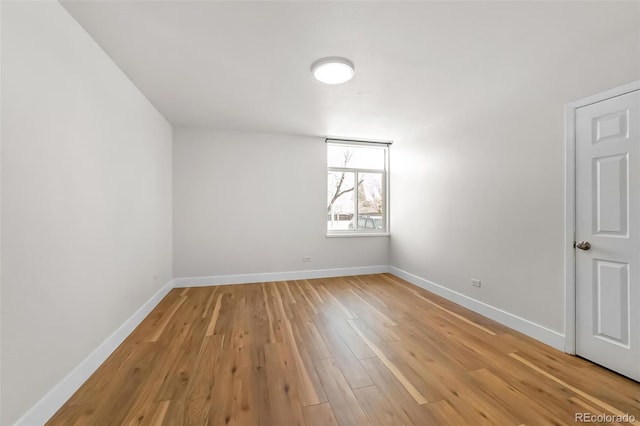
x=278 y=276
x=56 y=397
x=40 y=413
x=531 y=329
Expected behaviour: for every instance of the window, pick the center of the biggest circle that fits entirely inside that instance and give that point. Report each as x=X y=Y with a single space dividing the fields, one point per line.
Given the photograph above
x=357 y=187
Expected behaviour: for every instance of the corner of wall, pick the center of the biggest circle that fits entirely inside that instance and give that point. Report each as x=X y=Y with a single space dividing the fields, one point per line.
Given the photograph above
x=44 y=409
x=524 y=326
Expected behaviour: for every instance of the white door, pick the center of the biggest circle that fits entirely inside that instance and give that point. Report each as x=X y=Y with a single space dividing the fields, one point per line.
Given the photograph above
x=608 y=219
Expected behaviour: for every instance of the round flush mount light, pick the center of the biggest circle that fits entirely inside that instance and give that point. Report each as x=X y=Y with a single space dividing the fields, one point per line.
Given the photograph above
x=333 y=70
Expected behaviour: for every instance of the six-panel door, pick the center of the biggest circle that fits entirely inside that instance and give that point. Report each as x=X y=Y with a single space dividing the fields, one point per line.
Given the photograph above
x=608 y=217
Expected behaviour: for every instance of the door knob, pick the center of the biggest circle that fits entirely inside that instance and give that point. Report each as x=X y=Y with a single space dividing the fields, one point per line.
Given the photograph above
x=583 y=245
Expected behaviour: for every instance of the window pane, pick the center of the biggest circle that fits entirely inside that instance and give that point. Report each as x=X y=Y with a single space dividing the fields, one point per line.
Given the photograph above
x=370 y=202
x=360 y=157
x=340 y=201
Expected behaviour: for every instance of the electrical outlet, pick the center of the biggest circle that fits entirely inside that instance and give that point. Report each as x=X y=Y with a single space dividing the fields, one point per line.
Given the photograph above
x=306 y=259
x=475 y=283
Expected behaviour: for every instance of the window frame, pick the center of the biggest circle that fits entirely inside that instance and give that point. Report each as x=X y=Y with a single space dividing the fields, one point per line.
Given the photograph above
x=356 y=232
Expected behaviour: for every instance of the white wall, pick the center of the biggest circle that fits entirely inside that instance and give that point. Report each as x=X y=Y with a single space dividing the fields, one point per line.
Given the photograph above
x=254 y=203
x=480 y=194
x=86 y=200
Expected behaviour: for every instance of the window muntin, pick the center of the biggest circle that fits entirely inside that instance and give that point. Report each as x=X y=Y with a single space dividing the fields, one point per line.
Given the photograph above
x=361 y=208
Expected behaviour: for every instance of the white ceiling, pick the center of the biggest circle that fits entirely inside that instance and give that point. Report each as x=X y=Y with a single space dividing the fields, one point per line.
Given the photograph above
x=245 y=66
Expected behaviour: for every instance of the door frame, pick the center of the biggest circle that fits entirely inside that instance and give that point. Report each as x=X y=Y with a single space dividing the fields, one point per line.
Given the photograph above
x=570 y=204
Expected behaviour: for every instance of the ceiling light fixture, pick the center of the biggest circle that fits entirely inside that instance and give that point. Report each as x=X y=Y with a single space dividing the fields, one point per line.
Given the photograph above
x=333 y=70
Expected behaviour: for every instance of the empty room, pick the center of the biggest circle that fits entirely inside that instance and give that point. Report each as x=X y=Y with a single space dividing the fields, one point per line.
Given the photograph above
x=319 y=212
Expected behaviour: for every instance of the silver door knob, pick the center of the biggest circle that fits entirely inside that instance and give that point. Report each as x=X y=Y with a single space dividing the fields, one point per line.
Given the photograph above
x=583 y=245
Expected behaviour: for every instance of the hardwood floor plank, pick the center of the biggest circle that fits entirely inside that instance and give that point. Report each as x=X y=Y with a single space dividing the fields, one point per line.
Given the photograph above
x=199 y=393
x=255 y=370
x=287 y=291
x=391 y=366
x=344 y=403
x=595 y=378
x=230 y=401
x=159 y=329
x=307 y=334
x=604 y=405
x=129 y=381
x=148 y=326
x=176 y=380
x=458 y=316
x=312 y=289
x=342 y=355
x=511 y=398
x=226 y=316
x=355 y=344
x=371 y=291
x=319 y=415
x=402 y=403
x=214 y=316
x=311 y=392
x=159 y=411
x=283 y=390
x=385 y=319
x=437 y=345
x=300 y=291
x=272 y=334
x=547 y=393
x=445 y=414
x=144 y=403
x=209 y=302
x=74 y=414
x=591 y=409
x=439 y=302
x=376 y=407
x=274 y=308
x=336 y=302
x=370 y=349
x=373 y=322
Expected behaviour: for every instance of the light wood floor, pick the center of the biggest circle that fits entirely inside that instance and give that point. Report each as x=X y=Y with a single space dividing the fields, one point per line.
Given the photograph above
x=349 y=351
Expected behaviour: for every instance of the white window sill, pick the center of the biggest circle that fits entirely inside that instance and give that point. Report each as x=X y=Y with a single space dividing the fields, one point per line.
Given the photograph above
x=357 y=234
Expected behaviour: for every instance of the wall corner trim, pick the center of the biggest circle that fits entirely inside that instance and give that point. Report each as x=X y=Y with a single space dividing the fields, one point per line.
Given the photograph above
x=44 y=409
x=524 y=326
x=278 y=276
